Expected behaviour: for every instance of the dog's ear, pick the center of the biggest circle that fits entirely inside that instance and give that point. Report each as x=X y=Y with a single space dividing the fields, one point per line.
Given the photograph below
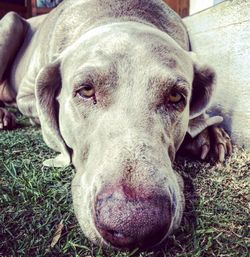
x=48 y=86
x=202 y=89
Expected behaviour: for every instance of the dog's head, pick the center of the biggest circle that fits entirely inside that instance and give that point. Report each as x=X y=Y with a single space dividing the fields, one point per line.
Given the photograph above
x=118 y=103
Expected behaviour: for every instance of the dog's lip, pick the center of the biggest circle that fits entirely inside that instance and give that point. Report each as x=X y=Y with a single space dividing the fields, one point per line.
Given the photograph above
x=124 y=242
x=117 y=239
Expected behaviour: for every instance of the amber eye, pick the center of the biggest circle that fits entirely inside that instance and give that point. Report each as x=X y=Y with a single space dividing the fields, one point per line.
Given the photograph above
x=87 y=91
x=175 y=97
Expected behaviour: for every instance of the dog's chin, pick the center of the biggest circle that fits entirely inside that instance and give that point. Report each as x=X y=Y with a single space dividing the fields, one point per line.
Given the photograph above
x=98 y=240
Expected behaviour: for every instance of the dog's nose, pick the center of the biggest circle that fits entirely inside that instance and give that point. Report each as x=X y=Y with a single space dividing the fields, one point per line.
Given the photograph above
x=128 y=219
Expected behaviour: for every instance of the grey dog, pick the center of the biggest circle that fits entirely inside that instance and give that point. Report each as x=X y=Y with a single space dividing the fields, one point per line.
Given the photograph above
x=115 y=88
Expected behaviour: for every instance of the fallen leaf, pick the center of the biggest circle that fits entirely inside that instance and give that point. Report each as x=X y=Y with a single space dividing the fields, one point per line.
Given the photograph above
x=57 y=234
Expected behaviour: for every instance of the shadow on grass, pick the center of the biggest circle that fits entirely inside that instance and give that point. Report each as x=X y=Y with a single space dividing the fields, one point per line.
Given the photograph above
x=183 y=237
x=22 y=121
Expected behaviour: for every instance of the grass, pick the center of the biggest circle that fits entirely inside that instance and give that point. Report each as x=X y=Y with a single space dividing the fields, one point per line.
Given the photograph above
x=35 y=199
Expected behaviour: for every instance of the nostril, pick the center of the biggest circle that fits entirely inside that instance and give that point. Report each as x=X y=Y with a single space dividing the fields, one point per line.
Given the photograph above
x=116 y=234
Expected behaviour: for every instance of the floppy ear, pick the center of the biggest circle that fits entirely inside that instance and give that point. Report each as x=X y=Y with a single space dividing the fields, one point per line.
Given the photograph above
x=48 y=85
x=202 y=90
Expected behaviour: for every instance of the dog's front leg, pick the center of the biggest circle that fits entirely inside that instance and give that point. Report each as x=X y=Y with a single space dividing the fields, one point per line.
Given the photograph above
x=26 y=101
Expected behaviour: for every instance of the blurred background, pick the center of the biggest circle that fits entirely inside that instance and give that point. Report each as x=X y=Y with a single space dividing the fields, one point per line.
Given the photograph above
x=30 y=8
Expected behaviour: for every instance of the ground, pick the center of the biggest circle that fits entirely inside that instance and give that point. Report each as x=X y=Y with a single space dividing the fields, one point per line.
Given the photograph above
x=35 y=201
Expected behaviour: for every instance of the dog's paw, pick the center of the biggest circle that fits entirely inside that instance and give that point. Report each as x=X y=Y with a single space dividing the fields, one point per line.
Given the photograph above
x=59 y=161
x=198 y=146
x=221 y=143
x=212 y=141
x=7 y=119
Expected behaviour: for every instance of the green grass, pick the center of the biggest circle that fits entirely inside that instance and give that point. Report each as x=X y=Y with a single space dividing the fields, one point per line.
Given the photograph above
x=35 y=199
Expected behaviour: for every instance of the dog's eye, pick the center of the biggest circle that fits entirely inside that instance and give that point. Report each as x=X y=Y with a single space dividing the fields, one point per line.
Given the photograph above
x=175 y=97
x=87 y=91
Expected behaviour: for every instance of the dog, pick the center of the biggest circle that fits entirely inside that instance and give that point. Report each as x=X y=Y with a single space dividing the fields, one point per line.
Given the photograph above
x=116 y=89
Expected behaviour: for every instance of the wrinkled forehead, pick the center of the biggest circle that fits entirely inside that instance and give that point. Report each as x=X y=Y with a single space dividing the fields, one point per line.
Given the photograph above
x=128 y=43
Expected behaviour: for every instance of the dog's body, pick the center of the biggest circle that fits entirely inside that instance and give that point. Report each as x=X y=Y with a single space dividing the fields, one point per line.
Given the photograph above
x=115 y=89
